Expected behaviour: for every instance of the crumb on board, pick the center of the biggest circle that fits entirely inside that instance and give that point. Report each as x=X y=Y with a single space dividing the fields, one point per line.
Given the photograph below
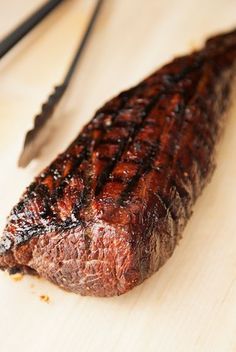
x=44 y=298
x=16 y=276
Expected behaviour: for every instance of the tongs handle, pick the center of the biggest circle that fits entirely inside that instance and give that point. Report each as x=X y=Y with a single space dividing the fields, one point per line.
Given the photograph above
x=26 y=26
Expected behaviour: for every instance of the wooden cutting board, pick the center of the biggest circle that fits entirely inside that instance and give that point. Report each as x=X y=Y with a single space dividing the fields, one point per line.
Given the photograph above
x=190 y=304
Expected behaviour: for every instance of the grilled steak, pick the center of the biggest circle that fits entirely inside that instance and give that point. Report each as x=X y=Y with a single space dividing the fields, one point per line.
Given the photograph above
x=110 y=210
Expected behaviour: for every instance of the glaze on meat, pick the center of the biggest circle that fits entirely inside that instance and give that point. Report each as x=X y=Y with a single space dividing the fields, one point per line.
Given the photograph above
x=110 y=210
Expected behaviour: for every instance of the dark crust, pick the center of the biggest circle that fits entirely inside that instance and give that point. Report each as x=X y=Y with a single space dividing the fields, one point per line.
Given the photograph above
x=109 y=211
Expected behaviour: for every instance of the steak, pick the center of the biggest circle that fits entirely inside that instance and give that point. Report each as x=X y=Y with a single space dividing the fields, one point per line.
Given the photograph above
x=109 y=211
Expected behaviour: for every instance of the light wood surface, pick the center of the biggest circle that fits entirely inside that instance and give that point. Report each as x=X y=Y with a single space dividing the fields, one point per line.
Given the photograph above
x=190 y=304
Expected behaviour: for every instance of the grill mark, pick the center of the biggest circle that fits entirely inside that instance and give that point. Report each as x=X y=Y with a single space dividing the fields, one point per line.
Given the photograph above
x=133 y=181
x=75 y=160
x=110 y=141
x=104 y=177
x=105 y=174
x=103 y=158
x=50 y=199
x=148 y=165
x=133 y=161
x=132 y=137
x=118 y=179
x=26 y=202
x=57 y=194
x=124 y=124
x=206 y=141
x=144 y=142
x=56 y=224
x=122 y=145
x=37 y=230
x=84 y=138
x=42 y=190
x=188 y=149
x=83 y=201
x=150 y=124
x=125 y=96
x=53 y=169
x=86 y=194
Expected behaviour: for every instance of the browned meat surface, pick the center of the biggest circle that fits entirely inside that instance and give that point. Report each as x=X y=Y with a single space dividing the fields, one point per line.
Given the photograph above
x=110 y=210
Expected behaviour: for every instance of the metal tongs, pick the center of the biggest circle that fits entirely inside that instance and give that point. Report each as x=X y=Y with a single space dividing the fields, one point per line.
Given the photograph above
x=35 y=138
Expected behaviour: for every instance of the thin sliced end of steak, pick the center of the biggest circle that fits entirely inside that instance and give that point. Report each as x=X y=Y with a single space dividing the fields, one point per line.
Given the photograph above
x=110 y=210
